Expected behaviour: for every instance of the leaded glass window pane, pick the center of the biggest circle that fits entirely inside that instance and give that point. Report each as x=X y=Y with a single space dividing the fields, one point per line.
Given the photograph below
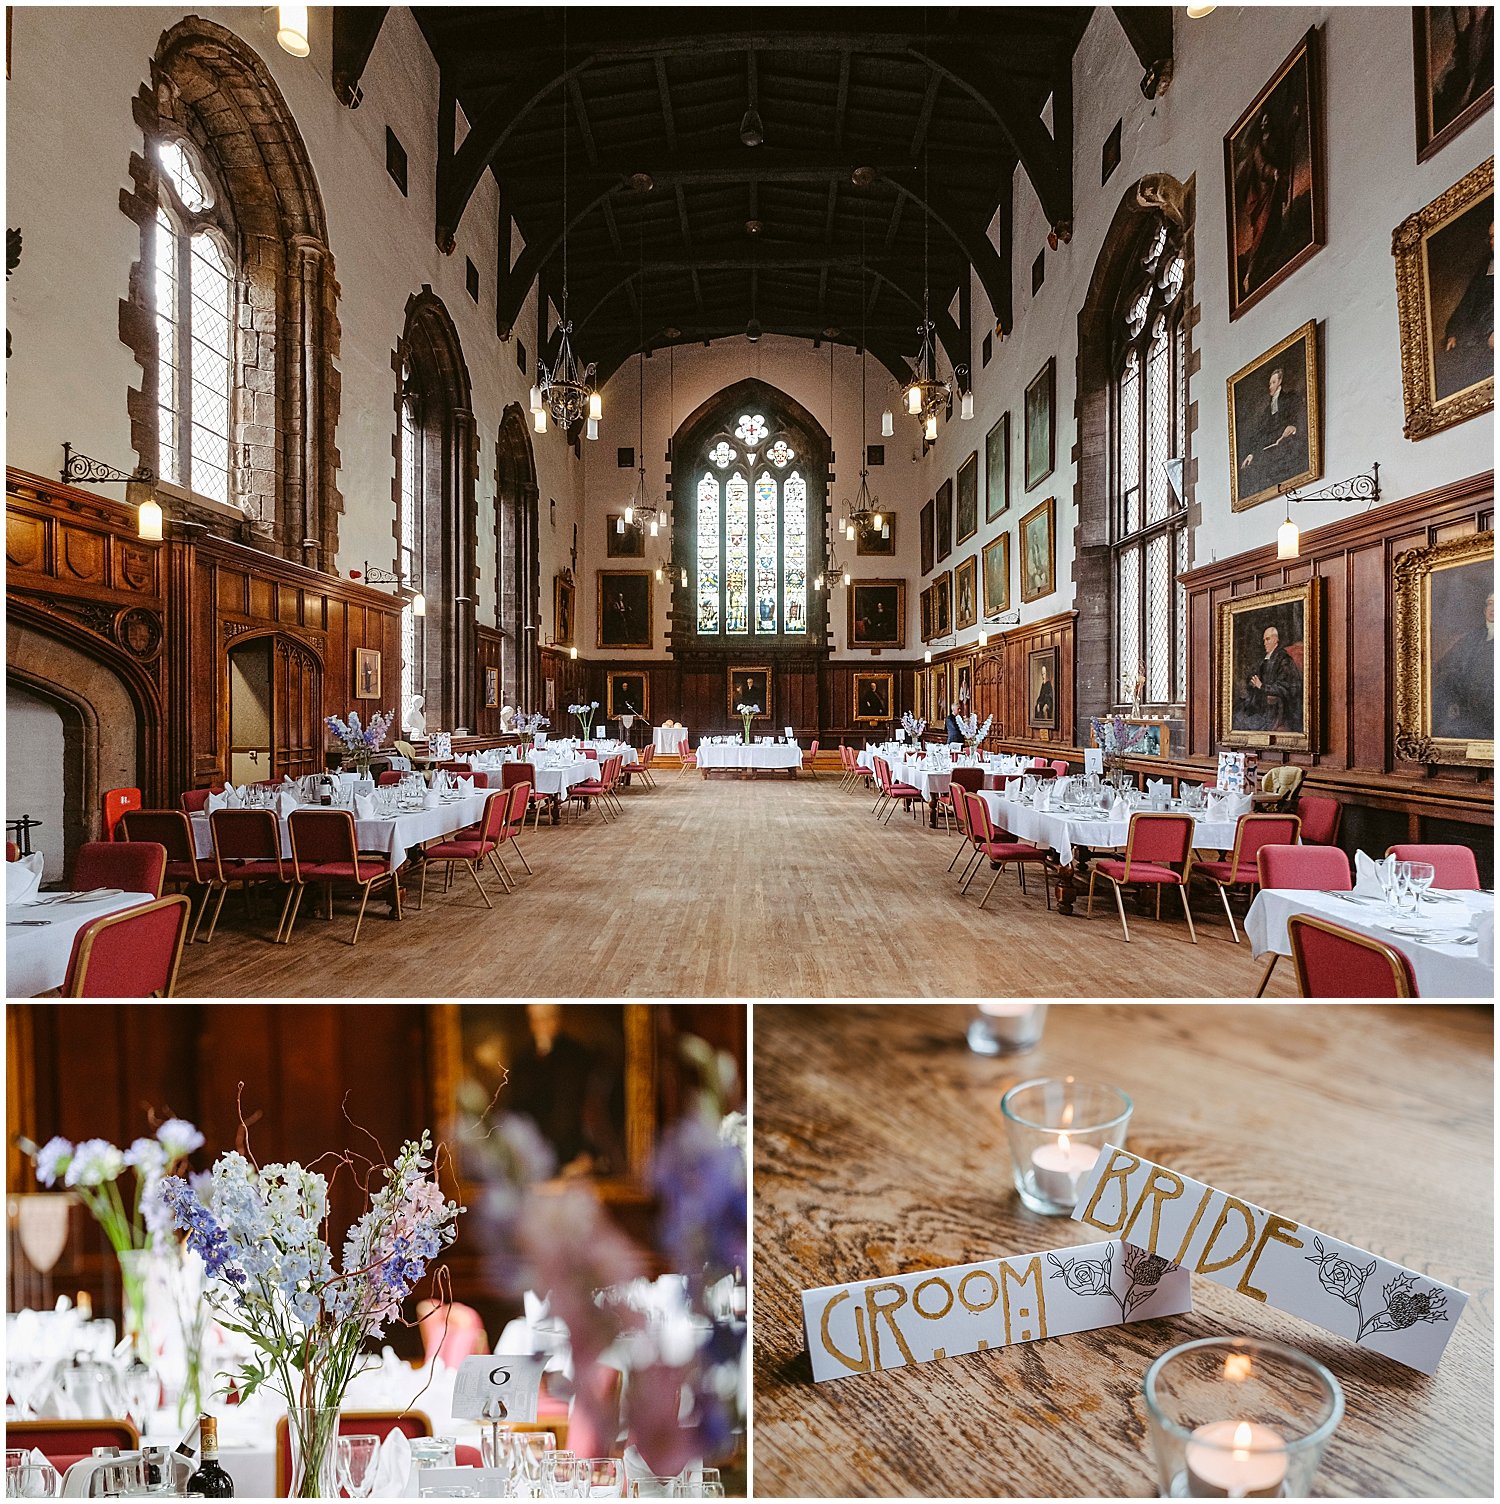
x=709 y=520
x=737 y=554
x=164 y=294
x=408 y=525
x=794 y=553
x=1181 y=617
x=767 y=536
x=184 y=176
x=1158 y=422
x=1130 y=454
x=1159 y=619
x=721 y=454
x=1129 y=585
x=210 y=316
x=751 y=429
x=780 y=454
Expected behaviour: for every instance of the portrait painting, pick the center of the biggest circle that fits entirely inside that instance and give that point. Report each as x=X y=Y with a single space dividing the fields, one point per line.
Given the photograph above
x=549 y=696
x=944 y=520
x=963 y=685
x=876 y=542
x=1041 y=436
x=966 y=499
x=1041 y=689
x=996 y=571
x=562 y=611
x=1445 y=302
x=1268 y=669
x=873 y=697
x=942 y=604
x=367 y=673
x=927 y=632
x=1453 y=49
x=1274 y=432
x=877 y=614
x=1445 y=645
x=624 y=619
x=937 y=693
x=1039 y=551
x=1273 y=178
x=492 y=689
x=926 y=528
x=748 y=686
x=966 y=594
x=584 y=1075
x=997 y=469
x=628 y=694
x=622 y=541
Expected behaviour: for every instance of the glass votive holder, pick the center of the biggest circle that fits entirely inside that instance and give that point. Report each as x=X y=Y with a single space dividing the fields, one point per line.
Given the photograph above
x=1057 y=1128
x=1239 y=1418
x=1006 y=1028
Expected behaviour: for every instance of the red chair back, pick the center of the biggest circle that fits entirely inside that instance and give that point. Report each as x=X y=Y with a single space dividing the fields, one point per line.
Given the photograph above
x=882 y=774
x=391 y=776
x=644 y=756
x=970 y=780
x=116 y=802
x=244 y=835
x=1163 y=840
x=515 y=816
x=64 y=1442
x=592 y=753
x=958 y=799
x=1335 y=962
x=479 y=780
x=454 y=767
x=1322 y=867
x=1060 y=768
x=130 y=954
x=812 y=752
x=167 y=827
x=1320 y=819
x=492 y=822
x=131 y=866
x=512 y=773
x=981 y=827
x=321 y=837
x=1039 y=762
x=1251 y=832
x=193 y=800
x=1454 y=866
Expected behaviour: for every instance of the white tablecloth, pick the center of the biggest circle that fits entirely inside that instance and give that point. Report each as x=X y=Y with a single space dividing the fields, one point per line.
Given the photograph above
x=669 y=741
x=36 y=955
x=556 y=778
x=738 y=755
x=1062 y=830
x=1440 y=970
x=932 y=775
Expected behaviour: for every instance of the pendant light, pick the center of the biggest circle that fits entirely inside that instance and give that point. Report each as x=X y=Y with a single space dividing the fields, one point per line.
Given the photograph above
x=148 y=520
x=291 y=29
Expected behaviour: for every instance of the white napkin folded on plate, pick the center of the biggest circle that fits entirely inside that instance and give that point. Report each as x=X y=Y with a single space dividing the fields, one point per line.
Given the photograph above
x=392 y=1467
x=215 y=801
x=286 y=801
x=364 y=807
x=23 y=878
x=432 y=800
x=1367 y=874
x=1159 y=788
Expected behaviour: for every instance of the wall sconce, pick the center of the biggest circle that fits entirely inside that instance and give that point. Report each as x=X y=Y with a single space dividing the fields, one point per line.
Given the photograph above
x=572 y=652
x=148 y=521
x=887 y=424
x=1356 y=488
x=291 y=29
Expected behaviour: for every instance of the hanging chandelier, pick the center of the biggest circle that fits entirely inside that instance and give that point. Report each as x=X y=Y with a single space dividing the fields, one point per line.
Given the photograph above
x=927 y=394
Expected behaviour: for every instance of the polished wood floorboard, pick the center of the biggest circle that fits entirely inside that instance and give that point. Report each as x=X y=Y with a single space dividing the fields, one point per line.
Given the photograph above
x=730 y=888
x=879 y=1149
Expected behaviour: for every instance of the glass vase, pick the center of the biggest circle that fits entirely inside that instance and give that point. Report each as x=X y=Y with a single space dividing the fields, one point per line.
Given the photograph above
x=747 y=733
x=135 y=1275
x=314 y=1433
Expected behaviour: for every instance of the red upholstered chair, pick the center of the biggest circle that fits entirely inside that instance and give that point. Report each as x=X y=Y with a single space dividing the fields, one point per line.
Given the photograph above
x=1453 y=866
x=959 y=801
x=610 y=773
x=12 y=852
x=172 y=829
x=64 y=1442
x=810 y=760
x=138 y=867
x=689 y=759
x=194 y=800
x=1251 y=832
x=1000 y=847
x=515 y=823
x=451 y=1332
x=1324 y=868
x=1059 y=769
x=391 y=776
x=965 y=781
x=891 y=790
x=1039 y=762
x=130 y=954
x=1336 y=962
x=644 y=758
x=247 y=851
x=1158 y=853
x=1320 y=818
x=381 y=1423
x=324 y=850
x=592 y=753
x=454 y=766
x=469 y=848
x=116 y=802
x=512 y=773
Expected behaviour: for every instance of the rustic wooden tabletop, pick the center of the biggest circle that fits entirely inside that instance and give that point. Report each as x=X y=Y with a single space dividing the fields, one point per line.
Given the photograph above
x=879 y=1148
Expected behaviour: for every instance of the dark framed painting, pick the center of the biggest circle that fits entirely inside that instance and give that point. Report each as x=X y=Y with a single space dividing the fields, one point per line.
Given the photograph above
x=1041 y=432
x=492 y=689
x=874 y=695
x=1445 y=665
x=1273 y=178
x=622 y=542
x=748 y=686
x=1041 y=689
x=966 y=594
x=927 y=632
x=997 y=469
x=877 y=614
x=1445 y=291
x=585 y=1075
x=562 y=612
x=1275 y=440
x=942 y=604
x=937 y=693
x=995 y=570
x=966 y=499
x=628 y=694
x=1453 y=53
x=1268 y=654
x=877 y=543
x=944 y=501
x=367 y=673
x=925 y=526
x=1039 y=551
x=549 y=696
x=963 y=685
x=624 y=619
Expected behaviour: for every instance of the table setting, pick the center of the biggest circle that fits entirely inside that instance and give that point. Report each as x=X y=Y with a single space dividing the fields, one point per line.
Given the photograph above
x=669 y=739
x=766 y=753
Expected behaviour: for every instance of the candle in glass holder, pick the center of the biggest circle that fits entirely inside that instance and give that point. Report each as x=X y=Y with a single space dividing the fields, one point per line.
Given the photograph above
x=1058 y=1168
x=1006 y=1028
x=1235 y=1460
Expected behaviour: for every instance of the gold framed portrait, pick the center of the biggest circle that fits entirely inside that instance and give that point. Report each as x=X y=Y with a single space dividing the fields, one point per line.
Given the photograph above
x=367 y=673
x=1268 y=663
x=748 y=686
x=628 y=693
x=1039 y=551
x=874 y=696
x=877 y=614
x=996 y=573
x=1275 y=437
x=562 y=611
x=624 y=609
x=966 y=594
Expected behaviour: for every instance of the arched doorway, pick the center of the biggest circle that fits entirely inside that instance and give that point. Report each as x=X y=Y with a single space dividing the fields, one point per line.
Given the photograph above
x=273 y=707
x=517 y=583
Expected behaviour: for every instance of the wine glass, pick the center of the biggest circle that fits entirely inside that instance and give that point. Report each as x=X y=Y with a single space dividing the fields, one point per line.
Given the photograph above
x=533 y=1448
x=1421 y=876
x=358 y=1453
x=604 y=1478
x=35 y=1480
x=559 y=1472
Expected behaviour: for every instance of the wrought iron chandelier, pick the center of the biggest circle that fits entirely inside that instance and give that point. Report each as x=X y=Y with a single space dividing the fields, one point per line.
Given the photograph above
x=927 y=394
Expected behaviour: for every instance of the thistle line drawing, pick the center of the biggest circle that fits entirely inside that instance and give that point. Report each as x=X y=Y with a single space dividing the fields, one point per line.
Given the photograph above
x=1144 y=1272
x=1404 y=1305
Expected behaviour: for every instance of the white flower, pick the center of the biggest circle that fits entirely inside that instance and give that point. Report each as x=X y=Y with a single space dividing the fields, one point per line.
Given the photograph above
x=94 y=1161
x=179 y=1138
x=147 y=1157
x=52 y=1159
x=733 y=1129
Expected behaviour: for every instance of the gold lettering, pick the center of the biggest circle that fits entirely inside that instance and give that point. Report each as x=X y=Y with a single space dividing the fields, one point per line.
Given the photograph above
x=1028 y=1277
x=888 y=1310
x=1157 y=1183
x=1187 y=1237
x=862 y=1363
x=963 y=1287
x=1231 y=1204
x=1130 y=1162
x=944 y=1286
x=1275 y=1231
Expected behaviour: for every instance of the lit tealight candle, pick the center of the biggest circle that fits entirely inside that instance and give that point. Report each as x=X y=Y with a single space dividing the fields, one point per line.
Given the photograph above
x=1235 y=1460
x=1058 y=1168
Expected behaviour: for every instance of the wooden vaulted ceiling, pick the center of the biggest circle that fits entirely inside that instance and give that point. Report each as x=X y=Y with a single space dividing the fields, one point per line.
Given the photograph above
x=890 y=140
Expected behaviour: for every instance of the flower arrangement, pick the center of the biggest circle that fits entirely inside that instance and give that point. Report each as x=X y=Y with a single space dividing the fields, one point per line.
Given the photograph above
x=747 y=713
x=912 y=726
x=361 y=743
x=585 y=714
x=973 y=732
x=1119 y=738
x=263 y=1235
x=527 y=726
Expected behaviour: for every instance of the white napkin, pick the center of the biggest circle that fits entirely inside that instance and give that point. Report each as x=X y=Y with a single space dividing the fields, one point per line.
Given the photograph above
x=1484 y=926
x=1119 y=809
x=432 y=800
x=286 y=801
x=392 y=1467
x=286 y=781
x=1367 y=873
x=215 y=801
x=364 y=807
x=23 y=878
x=1159 y=788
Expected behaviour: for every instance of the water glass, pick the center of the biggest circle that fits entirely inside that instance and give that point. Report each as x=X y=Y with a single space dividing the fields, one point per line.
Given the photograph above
x=35 y=1480
x=1057 y=1129
x=1006 y=1028
x=433 y=1451
x=653 y=1486
x=358 y=1453
x=560 y=1475
x=603 y=1478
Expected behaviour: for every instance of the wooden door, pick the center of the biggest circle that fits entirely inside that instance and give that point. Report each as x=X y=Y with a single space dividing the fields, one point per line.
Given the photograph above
x=297 y=732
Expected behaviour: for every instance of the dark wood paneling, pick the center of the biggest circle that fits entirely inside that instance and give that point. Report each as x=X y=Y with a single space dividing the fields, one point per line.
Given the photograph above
x=489 y=648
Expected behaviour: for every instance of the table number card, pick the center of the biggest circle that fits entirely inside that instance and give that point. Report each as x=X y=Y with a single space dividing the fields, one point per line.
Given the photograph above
x=1270 y=1258
x=498 y=1386
x=969 y=1308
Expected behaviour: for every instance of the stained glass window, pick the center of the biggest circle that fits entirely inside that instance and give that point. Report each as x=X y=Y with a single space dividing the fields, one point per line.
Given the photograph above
x=794 y=554
x=751 y=429
x=721 y=454
x=780 y=454
x=708 y=553
x=737 y=554
x=767 y=541
x=165 y=298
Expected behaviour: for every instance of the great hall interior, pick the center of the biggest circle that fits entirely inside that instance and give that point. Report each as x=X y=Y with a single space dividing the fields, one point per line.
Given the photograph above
x=803 y=502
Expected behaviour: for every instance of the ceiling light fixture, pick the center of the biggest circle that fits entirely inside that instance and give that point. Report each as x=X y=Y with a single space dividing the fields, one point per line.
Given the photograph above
x=752 y=128
x=1197 y=12
x=291 y=29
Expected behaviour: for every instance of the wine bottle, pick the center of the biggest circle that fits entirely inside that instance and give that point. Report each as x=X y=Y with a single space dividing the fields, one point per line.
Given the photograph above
x=210 y=1480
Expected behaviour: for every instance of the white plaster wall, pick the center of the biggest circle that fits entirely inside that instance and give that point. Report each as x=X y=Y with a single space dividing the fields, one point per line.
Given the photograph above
x=34 y=772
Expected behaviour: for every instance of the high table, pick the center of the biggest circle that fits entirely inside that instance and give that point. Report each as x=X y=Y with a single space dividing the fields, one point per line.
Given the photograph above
x=724 y=756
x=37 y=952
x=1441 y=970
x=669 y=741
x=880 y=1149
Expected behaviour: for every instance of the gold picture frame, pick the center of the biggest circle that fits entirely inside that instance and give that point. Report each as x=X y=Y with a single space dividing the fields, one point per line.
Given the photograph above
x=995 y=575
x=367 y=673
x=876 y=614
x=1263 y=464
x=563 y=598
x=628 y=692
x=748 y=686
x=1436 y=659
x=1453 y=232
x=874 y=698
x=1039 y=563
x=1260 y=706
x=942 y=604
x=966 y=594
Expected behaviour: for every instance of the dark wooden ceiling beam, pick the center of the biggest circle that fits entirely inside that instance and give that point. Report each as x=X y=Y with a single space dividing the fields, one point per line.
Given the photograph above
x=924 y=115
x=581 y=114
x=1148 y=29
x=664 y=94
x=355 y=30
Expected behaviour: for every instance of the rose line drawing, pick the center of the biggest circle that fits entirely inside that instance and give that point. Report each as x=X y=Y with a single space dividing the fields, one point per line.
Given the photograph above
x=1143 y=1272
x=1404 y=1306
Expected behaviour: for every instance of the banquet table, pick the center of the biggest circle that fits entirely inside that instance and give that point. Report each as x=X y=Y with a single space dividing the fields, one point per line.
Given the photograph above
x=728 y=756
x=1441 y=970
x=669 y=741
x=1373 y=1123
x=36 y=953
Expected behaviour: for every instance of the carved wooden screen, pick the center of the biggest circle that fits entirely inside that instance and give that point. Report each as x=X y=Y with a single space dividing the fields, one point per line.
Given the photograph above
x=297 y=732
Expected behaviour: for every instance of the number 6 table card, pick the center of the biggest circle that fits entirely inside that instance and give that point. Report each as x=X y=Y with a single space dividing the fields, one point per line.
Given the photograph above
x=1332 y=1284
x=970 y=1308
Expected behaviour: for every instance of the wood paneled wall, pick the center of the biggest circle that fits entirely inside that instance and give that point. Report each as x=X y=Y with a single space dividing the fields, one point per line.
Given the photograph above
x=489 y=648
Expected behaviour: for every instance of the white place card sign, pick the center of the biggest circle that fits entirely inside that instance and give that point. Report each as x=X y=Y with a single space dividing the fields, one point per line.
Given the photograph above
x=970 y=1308
x=498 y=1386
x=1270 y=1258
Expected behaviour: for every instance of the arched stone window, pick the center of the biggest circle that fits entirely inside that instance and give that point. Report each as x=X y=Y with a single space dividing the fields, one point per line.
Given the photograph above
x=232 y=307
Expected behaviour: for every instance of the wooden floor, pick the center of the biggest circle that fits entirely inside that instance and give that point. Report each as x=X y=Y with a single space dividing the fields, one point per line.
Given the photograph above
x=730 y=888
x=879 y=1149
